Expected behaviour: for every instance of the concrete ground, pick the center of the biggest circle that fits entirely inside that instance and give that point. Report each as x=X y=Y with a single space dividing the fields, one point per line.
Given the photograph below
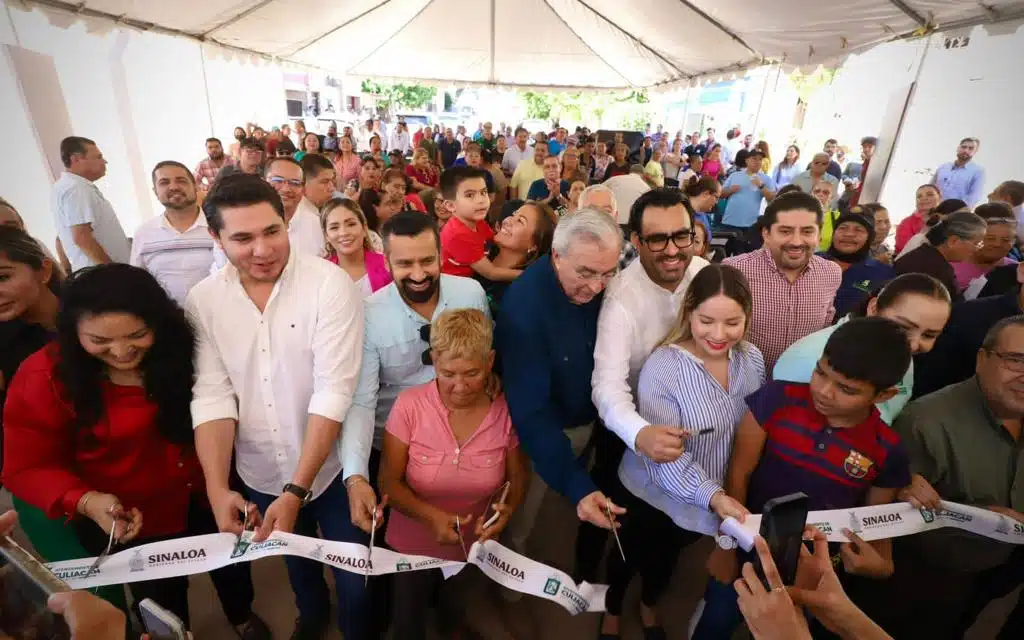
x=529 y=618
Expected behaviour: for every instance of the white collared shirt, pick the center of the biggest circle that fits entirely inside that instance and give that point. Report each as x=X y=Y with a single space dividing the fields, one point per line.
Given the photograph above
x=77 y=201
x=513 y=156
x=269 y=371
x=177 y=260
x=635 y=316
x=304 y=234
x=400 y=140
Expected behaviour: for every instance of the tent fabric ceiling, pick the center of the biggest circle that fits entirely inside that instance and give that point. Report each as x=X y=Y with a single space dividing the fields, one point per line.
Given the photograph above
x=599 y=44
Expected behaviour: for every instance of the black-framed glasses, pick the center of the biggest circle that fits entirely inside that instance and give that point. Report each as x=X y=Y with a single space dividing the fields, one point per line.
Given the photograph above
x=425 y=357
x=659 y=241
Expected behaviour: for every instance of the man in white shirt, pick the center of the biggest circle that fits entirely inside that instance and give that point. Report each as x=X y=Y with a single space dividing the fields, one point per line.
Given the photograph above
x=87 y=226
x=400 y=139
x=175 y=246
x=286 y=177
x=365 y=133
x=280 y=338
x=627 y=189
x=641 y=304
x=517 y=152
x=397 y=318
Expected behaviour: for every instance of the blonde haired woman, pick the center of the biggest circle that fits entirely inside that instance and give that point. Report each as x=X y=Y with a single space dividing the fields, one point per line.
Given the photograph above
x=449 y=452
x=349 y=245
x=698 y=378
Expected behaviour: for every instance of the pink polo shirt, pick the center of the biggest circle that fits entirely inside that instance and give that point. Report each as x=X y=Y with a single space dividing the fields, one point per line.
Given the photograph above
x=457 y=479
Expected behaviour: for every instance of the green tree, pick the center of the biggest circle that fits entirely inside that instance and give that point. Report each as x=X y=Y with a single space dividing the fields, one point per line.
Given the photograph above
x=807 y=84
x=538 y=105
x=391 y=97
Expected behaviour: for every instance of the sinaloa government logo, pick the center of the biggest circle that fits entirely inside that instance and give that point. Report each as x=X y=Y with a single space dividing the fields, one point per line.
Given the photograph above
x=854 y=523
x=506 y=567
x=317 y=553
x=1003 y=525
x=195 y=554
x=551 y=586
x=137 y=563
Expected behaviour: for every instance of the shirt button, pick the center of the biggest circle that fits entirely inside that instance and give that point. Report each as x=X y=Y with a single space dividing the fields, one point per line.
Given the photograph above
x=455 y=461
x=821 y=447
x=181 y=464
x=189 y=485
x=423 y=458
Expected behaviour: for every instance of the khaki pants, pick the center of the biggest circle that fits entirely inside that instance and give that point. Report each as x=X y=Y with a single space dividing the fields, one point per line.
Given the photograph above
x=521 y=525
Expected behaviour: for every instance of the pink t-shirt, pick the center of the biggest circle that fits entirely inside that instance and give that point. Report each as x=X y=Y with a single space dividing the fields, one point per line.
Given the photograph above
x=457 y=479
x=966 y=272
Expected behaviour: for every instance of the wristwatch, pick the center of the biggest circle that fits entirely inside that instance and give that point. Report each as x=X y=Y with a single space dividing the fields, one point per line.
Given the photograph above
x=305 y=495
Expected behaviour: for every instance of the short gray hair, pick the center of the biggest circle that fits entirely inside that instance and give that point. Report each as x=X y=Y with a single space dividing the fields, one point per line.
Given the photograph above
x=597 y=188
x=992 y=336
x=586 y=225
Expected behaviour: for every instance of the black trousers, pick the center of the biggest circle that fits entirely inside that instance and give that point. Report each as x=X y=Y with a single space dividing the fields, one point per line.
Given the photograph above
x=233 y=583
x=591 y=542
x=993 y=584
x=651 y=542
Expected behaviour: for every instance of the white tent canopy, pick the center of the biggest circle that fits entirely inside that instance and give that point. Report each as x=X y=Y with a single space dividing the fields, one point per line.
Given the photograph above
x=601 y=44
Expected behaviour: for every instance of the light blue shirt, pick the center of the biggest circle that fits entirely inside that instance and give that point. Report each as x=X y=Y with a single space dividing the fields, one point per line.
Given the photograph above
x=784 y=175
x=392 y=362
x=962 y=183
x=744 y=206
x=798 y=361
x=675 y=388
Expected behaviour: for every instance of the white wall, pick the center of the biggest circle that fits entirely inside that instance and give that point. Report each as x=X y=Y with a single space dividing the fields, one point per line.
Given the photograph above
x=141 y=96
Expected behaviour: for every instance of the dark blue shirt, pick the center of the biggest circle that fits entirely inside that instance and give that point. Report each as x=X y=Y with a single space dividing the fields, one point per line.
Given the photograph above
x=546 y=347
x=539 y=189
x=858 y=282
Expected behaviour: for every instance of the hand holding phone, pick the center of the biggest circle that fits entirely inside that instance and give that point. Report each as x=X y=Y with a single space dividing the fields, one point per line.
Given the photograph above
x=160 y=623
x=25 y=589
x=782 y=527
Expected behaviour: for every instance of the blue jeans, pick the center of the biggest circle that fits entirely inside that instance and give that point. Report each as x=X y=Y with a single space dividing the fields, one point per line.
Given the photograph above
x=330 y=511
x=721 y=613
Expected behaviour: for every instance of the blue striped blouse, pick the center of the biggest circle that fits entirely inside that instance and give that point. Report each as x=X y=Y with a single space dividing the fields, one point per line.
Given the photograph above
x=674 y=388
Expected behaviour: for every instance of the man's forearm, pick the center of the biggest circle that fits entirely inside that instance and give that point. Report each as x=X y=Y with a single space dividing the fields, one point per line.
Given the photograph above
x=320 y=441
x=215 y=442
x=91 y=248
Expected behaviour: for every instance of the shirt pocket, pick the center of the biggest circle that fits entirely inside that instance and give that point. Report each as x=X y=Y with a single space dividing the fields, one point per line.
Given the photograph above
x=489 y=461
x=424 y=463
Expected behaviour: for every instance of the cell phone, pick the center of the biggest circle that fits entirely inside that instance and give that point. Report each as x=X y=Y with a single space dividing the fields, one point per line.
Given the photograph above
x=782 y=527
x=25 y=586
x=160 y=623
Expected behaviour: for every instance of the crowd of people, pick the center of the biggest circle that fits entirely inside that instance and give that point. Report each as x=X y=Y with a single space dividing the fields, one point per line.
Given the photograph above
x=322 y=337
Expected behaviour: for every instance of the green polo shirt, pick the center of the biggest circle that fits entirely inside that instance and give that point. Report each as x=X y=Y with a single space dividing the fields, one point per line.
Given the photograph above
x=958 y=445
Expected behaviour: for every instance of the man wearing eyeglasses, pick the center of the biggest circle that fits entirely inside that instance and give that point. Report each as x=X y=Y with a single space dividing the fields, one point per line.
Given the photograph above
x=304 y=231
x=640 y=305
x=965 y=441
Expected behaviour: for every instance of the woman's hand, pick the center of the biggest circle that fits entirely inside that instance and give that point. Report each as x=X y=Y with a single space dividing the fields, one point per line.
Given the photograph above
x=493 y=531
x=445 y=529
x=107 y=512
x=769 y=613
x=88 y=617
x=862 y=559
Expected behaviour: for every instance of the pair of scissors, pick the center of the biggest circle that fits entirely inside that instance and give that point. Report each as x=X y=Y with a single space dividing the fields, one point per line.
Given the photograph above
x=111 y=541
x=615 y=532
x=462 y=541
x=249 y=524
x=369 y=554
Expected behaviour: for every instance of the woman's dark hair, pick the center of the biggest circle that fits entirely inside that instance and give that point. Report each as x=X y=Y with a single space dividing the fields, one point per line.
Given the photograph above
x=167 y=368
x=963 y=225
x=789 y=188
x=891 y=292
x=709 y=282
x=369 y=200
x=994 y=211
x=796 y=159
x=545 y=231
x=19 y=247
x=873 y=350
x=707 y=184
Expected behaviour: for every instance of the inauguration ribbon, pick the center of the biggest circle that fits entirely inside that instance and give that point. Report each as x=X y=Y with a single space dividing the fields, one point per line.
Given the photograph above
x=201 y=554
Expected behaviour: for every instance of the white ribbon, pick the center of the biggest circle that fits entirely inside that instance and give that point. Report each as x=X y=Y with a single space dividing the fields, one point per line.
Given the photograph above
x=201 y=554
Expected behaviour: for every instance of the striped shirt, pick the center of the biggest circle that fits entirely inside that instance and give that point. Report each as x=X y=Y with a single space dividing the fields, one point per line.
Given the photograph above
x=675 y=388
x=178 y=260
x=786 y=311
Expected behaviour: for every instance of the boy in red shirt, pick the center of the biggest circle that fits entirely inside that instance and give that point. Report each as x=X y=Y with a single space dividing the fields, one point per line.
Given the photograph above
x=464 y=238
x=825 y=439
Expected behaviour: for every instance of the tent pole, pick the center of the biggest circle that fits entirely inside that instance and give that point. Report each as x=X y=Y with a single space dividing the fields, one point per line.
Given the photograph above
x=206 y=86
x=760 y=103
x=686 y=108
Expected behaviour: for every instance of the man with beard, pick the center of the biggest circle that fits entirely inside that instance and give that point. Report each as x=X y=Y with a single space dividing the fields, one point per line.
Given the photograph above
x=279 y=338
x=396 y=348
x=851 y=250
x=793 y=289
x=962 y=179
x=176 y=246
x=286 y=177
x=209 y=167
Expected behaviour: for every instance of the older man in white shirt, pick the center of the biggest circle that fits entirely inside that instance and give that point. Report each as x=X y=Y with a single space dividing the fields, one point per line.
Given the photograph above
x=640 y=307
x=280 y=338
x=400 y=139
x=87 y=227
x=175 y=246
x=517 y=152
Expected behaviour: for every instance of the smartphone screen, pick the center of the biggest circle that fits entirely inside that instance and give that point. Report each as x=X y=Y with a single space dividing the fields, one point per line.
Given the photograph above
x=782 y=527
x=25 y=586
